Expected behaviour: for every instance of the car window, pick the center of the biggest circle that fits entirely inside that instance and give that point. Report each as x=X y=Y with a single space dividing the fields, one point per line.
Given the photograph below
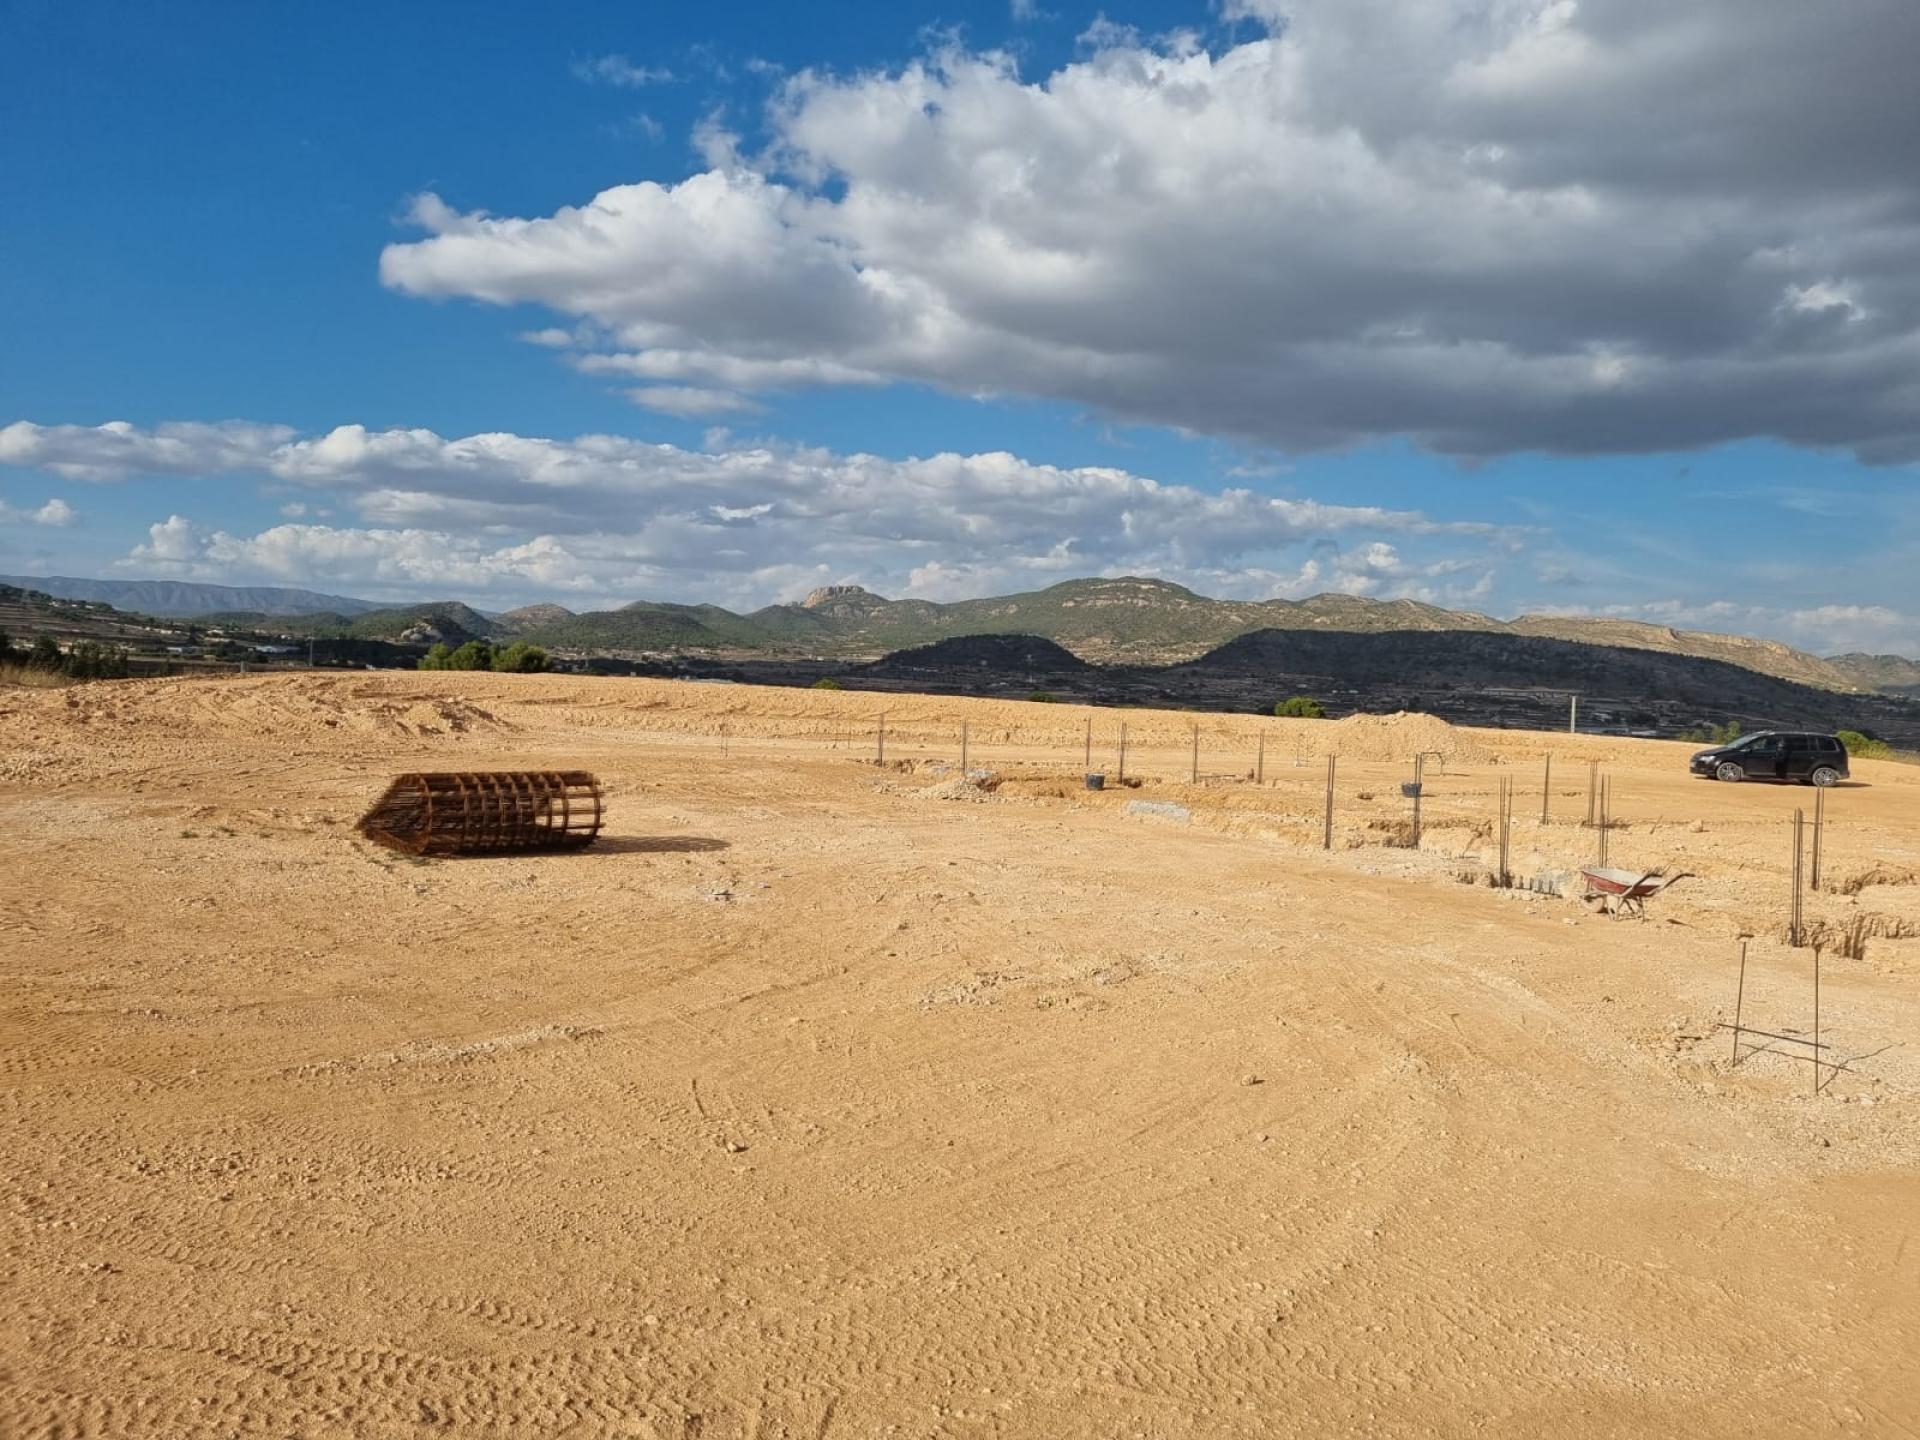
x=1828 y=744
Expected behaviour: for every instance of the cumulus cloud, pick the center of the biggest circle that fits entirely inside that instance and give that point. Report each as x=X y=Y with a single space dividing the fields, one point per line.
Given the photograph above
x=55 y=513
x=747 y=522
x=117 y=449
x=410 y=559
x=1491 y=225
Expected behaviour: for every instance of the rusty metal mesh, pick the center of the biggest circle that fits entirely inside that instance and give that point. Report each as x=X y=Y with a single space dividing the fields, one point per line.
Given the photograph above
x=475 y=812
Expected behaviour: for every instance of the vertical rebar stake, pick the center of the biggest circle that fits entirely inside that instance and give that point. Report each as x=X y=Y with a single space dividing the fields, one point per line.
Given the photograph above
x=1793 y=917
x=1121 y=778
x=1194 y=778
x=1816 y=1019
x=1819 y=824
x=1326 y=836
x=1546 y=787
x=1739 y=1000
x=880 y=741
x=1506 y=829
x=1260 y=761
x=1088 y=765
x=963 y=749
x=1593 y=783
x=1419 y=767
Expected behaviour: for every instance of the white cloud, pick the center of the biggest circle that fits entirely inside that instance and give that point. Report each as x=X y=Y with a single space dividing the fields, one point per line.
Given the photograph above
x=173 y=541
x=117 y=449
x=1492 y=225
x=689 y=401
x=619 y=70
x=612 y=516
x=54 y=513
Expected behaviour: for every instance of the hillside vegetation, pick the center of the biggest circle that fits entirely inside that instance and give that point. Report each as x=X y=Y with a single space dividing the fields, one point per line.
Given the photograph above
x=1107 y=621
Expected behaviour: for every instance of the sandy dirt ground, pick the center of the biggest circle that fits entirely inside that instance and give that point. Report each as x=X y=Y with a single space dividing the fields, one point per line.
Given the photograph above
x=827 y=1098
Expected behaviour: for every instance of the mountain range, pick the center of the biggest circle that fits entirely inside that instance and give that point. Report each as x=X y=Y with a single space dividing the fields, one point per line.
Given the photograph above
x=1124 y=620
x=186 y=600
x=1128 y=620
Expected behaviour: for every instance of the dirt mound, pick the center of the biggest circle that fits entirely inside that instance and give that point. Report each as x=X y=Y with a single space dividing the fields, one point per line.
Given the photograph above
x=152 y=717
x=1400 y=736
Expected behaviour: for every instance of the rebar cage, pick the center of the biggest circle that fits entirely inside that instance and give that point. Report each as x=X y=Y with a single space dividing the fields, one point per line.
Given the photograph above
x=477 y=812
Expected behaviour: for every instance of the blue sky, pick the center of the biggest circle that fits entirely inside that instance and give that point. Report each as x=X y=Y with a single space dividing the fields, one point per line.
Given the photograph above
x=1267 y=298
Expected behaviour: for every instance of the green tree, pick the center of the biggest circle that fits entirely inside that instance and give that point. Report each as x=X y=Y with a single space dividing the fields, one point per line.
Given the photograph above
x=474 y=655
x=45 y=654
x=1044 y=697
x=1864 y=747
x=521 y=658
x=827 y=682
x=438 y=658
x=1300 y=707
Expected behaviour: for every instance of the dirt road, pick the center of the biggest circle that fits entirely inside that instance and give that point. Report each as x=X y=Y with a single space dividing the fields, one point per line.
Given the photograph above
x=811 y=1103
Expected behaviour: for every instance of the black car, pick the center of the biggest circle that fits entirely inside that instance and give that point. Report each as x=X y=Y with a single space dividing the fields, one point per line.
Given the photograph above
x=1776 y=755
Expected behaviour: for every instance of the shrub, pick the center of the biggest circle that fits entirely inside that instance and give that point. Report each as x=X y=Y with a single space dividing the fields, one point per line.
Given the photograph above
x=1714 y=734
x=474 y=655
x=1044 y=697
x=521 y=658
x=1863 y=747
x=31 y=676
x=1300 y=707
x=827 y=682
x=88 y=661
x=85 y=661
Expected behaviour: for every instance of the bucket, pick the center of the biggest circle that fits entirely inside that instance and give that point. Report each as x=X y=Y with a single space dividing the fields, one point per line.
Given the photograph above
x=1096 y=782
x=1410 y=789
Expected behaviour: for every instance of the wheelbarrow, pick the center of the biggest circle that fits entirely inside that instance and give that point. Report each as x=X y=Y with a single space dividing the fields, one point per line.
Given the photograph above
x=1623 y=892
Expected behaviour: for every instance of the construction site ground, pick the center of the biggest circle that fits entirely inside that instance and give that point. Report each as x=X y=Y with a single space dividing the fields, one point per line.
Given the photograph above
x=827 y=1096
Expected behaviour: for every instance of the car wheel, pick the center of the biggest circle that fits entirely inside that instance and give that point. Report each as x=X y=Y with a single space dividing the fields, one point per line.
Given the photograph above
x=1727 y=770
x=1825 y=775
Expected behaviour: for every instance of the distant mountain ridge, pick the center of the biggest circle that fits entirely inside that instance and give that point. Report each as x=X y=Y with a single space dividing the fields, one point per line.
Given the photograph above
x=1892 y=674
x=1121 y=620
x=186 y=600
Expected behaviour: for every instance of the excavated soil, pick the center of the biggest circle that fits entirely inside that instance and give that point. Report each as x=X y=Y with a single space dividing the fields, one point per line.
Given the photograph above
x=810 y=1103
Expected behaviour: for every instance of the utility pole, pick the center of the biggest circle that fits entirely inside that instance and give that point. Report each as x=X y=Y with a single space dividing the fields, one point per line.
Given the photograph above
x=1573 y=714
